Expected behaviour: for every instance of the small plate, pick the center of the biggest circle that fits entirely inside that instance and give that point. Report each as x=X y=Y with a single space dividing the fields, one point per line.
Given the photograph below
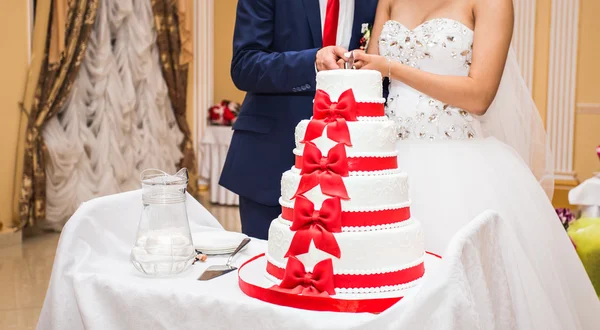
x=217 y=242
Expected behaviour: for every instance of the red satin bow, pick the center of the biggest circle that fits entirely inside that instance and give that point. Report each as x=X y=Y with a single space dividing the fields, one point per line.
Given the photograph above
x=317 y=226
x=333 y=116
x=298 y=281
x=326 y=171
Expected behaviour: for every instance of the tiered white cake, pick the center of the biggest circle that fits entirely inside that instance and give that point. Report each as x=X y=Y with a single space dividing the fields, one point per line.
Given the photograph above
x=380 y=247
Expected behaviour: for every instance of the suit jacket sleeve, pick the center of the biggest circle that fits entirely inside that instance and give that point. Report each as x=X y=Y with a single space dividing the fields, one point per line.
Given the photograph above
x=255 y=67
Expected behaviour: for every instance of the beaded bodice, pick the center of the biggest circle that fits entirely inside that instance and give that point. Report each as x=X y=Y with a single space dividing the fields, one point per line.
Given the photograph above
x=440 y=46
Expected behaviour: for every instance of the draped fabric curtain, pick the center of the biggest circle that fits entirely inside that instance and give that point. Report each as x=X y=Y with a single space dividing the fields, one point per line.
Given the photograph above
x=107 y=101
x=173 y=23
x=56 y=60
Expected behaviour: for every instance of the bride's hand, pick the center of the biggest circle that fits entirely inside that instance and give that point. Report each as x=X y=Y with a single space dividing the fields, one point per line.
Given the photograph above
x=366 y=61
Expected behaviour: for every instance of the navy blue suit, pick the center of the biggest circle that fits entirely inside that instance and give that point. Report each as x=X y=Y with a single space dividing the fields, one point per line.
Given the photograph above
x=274 y=48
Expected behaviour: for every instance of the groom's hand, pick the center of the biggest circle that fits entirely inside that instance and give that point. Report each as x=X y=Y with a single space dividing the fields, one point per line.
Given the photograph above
x=327 y=58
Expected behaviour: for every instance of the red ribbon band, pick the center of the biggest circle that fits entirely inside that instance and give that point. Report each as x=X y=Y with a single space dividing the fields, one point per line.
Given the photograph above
x=370 y=109
x=362 y=219
x=365 y=281
x=365 y=164
x=314 y=303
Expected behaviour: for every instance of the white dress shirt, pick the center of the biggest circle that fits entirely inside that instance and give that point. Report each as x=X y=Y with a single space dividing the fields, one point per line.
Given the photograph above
x=345 y=21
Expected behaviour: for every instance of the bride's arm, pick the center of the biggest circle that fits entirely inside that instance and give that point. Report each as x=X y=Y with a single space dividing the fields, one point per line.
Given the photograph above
x=382 y=15
x=474 y=93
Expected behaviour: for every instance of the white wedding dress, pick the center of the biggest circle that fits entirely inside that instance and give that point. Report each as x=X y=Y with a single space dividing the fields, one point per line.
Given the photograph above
x=455 y=173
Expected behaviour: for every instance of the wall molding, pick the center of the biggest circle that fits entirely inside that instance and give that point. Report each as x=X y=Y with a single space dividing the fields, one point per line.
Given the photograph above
x=588 y=108
x=203 y=66
x=560 y=120
x=524 y=38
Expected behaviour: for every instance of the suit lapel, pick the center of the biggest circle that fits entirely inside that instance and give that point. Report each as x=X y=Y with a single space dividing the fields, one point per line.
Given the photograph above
x=359 y=8
x=313 y=14
x=364 y=12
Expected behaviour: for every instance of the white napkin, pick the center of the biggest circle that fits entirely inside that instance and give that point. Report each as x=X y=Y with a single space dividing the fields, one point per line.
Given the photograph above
x=587 y=193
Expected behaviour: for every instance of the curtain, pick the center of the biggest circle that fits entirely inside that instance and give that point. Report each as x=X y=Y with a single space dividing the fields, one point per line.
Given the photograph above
x=118 y=120
x=55 y=64
x=173 y=23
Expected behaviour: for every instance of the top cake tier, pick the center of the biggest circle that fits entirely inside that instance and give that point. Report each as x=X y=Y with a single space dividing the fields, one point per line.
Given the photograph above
x=365 y=84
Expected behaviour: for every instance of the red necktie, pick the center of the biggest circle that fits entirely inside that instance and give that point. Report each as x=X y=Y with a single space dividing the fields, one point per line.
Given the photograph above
x=331 y=23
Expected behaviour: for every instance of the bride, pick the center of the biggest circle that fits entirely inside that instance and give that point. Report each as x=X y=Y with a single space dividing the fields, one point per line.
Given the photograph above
x=470 y=136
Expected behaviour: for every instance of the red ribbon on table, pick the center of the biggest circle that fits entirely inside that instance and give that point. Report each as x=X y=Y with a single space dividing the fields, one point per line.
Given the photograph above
x=317 y=226
x=297 y=280
x=332 y=115
x=326 y=171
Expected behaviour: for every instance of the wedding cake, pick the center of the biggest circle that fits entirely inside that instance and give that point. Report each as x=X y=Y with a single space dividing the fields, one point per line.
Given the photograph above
x=345 y=227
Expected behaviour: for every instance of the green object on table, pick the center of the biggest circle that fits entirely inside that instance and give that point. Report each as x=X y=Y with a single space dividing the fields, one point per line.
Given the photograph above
x=585 y=233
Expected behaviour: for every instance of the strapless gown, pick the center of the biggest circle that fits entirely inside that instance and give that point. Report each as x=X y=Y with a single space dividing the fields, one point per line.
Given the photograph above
x=455 y=173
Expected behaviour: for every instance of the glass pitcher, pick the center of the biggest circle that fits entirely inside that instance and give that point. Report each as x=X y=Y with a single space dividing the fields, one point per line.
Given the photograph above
x=163 y=244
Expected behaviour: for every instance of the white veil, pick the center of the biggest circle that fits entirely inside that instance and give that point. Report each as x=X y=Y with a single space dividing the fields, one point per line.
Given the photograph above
x=513 y=118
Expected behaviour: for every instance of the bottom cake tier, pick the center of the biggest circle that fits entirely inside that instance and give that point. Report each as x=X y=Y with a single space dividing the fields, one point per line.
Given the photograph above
x=372 y=261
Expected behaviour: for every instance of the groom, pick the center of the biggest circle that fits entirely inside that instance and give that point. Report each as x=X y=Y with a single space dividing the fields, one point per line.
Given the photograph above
x=277 y=48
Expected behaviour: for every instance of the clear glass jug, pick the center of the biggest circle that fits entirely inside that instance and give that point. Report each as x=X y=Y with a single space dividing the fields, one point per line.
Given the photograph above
x=163 y=244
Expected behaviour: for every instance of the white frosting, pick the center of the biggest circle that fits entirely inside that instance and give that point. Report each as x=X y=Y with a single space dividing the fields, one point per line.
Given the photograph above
x=366 y=84
x=369 y=139
x=373 y=252
x=367 y=193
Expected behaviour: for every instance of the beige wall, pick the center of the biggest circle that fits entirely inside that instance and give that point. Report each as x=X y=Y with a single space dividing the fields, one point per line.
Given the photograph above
x=224 y=22
x=542 y=48
x=13 y=67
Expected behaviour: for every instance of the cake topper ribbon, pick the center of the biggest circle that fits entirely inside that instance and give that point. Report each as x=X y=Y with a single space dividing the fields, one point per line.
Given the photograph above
x=332 y=115
x=326 y=171
x=317 y=226
x=298 y=281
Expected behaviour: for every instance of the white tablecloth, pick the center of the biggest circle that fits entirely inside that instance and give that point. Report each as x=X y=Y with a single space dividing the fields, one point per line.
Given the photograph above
x=94 y=286
x=213 y=147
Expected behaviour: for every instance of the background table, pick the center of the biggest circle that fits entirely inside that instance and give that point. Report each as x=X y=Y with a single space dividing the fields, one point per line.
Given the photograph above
x=213 y=150
x=94 y=286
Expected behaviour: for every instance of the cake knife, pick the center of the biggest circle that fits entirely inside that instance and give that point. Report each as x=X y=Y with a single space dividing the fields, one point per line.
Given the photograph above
x=350 y=62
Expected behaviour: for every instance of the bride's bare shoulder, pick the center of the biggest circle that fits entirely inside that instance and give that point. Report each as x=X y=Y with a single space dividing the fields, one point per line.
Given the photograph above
x=495 y=14
x=501 y=7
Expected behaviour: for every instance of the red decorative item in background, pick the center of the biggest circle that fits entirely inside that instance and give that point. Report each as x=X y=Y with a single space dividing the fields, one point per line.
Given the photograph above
x=598 y=151
x=297 y=280
x=326 y=171
x=224 y=113
x=332 y=115
x=317 y=226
